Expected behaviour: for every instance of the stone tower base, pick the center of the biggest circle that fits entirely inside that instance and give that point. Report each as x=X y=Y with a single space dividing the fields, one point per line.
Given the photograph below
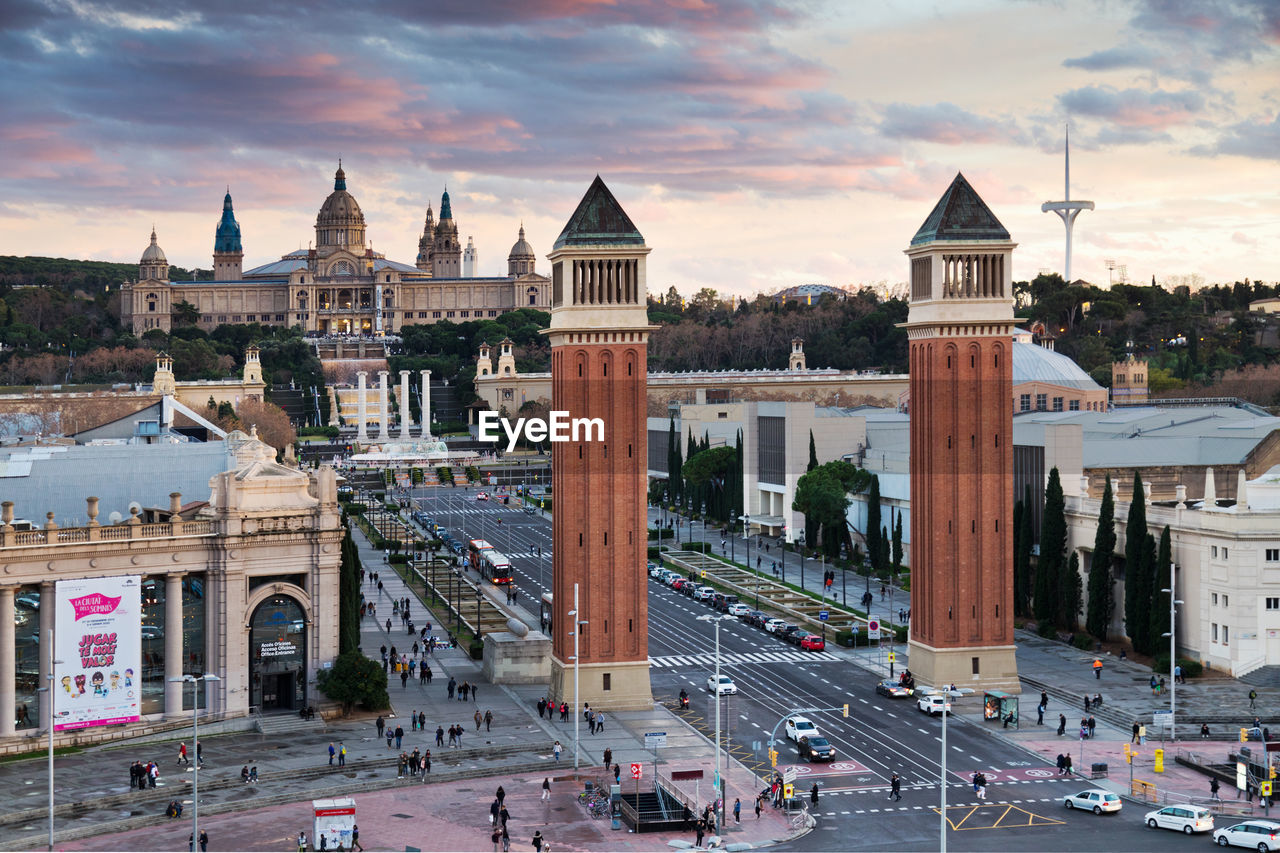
x=997 y=667
x=628 y=685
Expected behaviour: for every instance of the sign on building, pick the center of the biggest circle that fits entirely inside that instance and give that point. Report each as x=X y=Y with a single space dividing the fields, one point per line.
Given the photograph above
x=98 y=639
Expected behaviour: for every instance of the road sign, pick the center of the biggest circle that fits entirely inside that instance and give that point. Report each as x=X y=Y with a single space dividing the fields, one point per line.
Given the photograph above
x=1162 y=719
x=788 y=791
x=635 y=770
x=824 y=615
x=892 y=656
x=653 y=740
x=873 y=629
x=703 y=573
x=789 y=775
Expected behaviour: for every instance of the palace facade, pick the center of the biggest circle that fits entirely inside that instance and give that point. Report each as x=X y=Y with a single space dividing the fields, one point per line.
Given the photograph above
x=339 y=286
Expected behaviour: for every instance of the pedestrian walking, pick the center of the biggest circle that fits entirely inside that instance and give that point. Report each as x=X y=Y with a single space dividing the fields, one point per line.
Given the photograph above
x=332 y=752
x=182 y=754
x=758 y=807
x=453 y=684
x=355 y=837
x=422 y=721
x=439 y=736
x=399 y=735
x=537 y=841
x=199 y=754
x=700 y=830
x=546 y=788
x=737 y=810
x=204 y=841
x=1093 y=724
x=813 y=795
x=1044 y=699
x=381 y=724
x=1040 y=715
x=478 y=718
x=488 y=720
x=391 y=736
x=557 y=749
x=1062 y=724
x=302 y=842
x=506 y=839
x=342 y=755
x=1136 y=728
x=895 y=787
x=1097 y=668
x=474 y=695
x=599 y=723
x=1253 y=699
x=1213 y=788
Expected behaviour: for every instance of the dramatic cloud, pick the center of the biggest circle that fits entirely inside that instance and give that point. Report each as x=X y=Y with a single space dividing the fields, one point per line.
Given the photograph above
x=1134 y=108
x=1258 y=139
x=947 y=124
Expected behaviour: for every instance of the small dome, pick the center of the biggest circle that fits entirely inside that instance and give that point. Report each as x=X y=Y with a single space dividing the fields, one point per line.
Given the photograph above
x=1034 y=363
x=521 y=249
x=154 y=254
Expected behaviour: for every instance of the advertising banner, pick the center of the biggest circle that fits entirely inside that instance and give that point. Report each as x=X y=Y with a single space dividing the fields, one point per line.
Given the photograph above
x=98 y=639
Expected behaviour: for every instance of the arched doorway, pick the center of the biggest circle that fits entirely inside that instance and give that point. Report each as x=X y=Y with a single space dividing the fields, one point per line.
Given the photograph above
x=278 y=654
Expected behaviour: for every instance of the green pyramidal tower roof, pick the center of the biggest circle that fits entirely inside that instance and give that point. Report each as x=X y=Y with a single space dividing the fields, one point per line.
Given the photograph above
x=960 y=214
x=599 y=221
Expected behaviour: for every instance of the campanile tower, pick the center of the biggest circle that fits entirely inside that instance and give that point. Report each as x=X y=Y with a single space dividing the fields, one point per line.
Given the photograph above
x=960 y=329
x=599 y=338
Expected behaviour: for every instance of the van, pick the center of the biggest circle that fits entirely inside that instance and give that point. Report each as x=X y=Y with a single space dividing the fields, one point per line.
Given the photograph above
x=721 y=601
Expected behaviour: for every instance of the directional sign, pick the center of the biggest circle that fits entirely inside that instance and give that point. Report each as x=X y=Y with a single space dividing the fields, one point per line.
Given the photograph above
x=635 y=770
x=789 y=775
x=824 y=615
x=653 y=740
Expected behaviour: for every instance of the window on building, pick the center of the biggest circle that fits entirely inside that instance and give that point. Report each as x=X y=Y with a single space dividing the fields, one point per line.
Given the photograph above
x=251 y=318
x=1273 y=603
x=1119 y=378
x=1226 y=600
x=1215 y=599
x=235 y=318
x=1042 y=402
x=435 y=315
x=448 y=313
x=1214 y=631
x=1024 y=403
x=279 y=318
x=1226 y=635
x=422 y=315
x=1137 y=377
x=1224 y=553
x=493 y=313
x=222 y=318
x=466 y=314
x=1057 y=404
x=151 y=306
x=1213 y=551
x=1074 y=405
x=1273 y=555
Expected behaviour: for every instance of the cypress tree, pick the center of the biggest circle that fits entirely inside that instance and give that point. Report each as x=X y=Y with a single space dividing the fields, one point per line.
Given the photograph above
x=674 y=482
x=1141 y=633
x=813 y=453
x=1073 y=591
x=1102 y=594
x=811 y=526
x=1053 y=547
x=1022 y=557
x=884 y=547
x=1160 y=600
x=875 y=548
x=897 y=544
x=1135 y=533
x=349 y=598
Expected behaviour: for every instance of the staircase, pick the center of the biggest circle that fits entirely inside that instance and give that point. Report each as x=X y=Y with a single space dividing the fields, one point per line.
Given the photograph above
x=294 y=403
x=274 y=724
x=1265 y=677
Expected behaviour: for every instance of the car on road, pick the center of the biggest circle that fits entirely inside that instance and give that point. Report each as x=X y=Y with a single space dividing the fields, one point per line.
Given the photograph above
x=773 y=625
x=668 y=577
x=676 y=582
x=1260 y=835
x=482 y=496
x=704 y=593
x=756 y=618
x=933 y=704
x=798 y=727
x=796 y=636
x=689 y=588
x=813 y=643
x=815 y=748
x=738 y=609
x=654 y=571
x=1184 y=818
x=1094 y=800
x=721 y=601
x=727 y=687
x=892 y=689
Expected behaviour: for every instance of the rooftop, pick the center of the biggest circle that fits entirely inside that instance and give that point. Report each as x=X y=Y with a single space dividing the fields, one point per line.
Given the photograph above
x=960 y=215
x=599 y=220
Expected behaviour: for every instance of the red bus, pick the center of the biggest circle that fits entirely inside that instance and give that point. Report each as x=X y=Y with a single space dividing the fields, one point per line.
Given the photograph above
x=496 y=567
x=475 y=546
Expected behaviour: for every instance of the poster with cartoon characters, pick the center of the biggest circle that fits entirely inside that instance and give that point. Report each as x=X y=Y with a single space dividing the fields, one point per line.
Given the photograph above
x=98 y=639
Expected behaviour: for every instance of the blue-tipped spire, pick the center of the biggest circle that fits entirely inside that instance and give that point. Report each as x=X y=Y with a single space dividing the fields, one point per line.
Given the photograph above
x=339 y=178
x=445 y=211
x=227 y=237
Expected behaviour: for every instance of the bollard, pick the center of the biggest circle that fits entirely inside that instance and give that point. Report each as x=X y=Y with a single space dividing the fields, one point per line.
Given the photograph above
x=1159 y=757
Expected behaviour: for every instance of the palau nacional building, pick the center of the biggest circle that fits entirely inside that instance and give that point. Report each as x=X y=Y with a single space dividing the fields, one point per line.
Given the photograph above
x=339 y=285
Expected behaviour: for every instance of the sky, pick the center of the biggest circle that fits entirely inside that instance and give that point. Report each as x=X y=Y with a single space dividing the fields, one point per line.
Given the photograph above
x=756 y=144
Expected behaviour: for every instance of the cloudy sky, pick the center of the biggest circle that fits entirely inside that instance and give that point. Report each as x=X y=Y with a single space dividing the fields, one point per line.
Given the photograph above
x=756 y=143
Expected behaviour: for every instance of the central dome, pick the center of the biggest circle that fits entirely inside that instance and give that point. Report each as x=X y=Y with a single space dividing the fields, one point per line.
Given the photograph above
x=340 y=222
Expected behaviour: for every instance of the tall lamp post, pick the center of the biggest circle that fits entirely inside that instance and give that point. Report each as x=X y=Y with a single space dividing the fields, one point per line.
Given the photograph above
x=1173 y=652
x=49 y=701
x=195 y=748
x=577 y=714
x=716 y=693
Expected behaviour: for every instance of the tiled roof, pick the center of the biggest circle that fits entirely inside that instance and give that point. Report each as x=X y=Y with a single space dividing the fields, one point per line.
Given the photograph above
x=599 y=220
x=960 y=215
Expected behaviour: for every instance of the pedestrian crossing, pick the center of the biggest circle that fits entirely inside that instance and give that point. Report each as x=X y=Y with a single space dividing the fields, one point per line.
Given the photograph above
x=708 y=660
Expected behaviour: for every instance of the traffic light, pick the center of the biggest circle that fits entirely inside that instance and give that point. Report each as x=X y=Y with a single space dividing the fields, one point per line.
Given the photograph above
x=1244 y=735
x=1272 y=773
x=846 y=710
x=773 y=758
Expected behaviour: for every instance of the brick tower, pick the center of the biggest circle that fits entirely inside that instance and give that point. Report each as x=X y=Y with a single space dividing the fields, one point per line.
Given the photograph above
x=960 y=331
x=599 y=338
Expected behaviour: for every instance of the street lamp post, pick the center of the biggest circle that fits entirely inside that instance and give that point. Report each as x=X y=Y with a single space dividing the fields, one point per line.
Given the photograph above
x=716 y=694
x=49 y=701
x=577 y=712
x=195 y=748
x=1173 y=652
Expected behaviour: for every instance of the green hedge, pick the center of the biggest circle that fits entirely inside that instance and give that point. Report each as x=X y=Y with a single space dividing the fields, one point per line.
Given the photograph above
x=654 y=552
x=444 y=474
x=661 y=533
x=473 y=473
x=354 y=508
x=399 y=559
x=1083 y=641
x=1190 y=668
x=700 y=547
x=326 y=431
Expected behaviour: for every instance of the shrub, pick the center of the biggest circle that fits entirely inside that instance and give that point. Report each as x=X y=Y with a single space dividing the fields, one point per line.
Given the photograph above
x=326 y=431
x=1045 y=629
x=473 y=473
x=546 y=504
x=444 y=474
x=355 y=679
x=900 y=634
x=844 y=638
x=654 y=552
x=354 y=508
x=1190 y=668
x=1083 y=641
x=399 y=559
x=700 y=547
x=661 y=533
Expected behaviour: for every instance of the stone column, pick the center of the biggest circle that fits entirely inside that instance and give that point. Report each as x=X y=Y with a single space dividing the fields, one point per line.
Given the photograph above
x=383 y=435
x=362 y=422
x=173 y=645
x=406 y=419
x=46 y=626
x=8 y=667
x=426 y=403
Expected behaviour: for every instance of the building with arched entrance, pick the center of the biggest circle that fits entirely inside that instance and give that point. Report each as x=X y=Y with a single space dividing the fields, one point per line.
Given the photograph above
x=238 y=578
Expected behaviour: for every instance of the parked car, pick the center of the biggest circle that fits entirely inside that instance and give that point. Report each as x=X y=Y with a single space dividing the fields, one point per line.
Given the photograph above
x=798 y=727
x=1095 y=800
x=1186 y=818
x=738 y=609
x=813 y=643
x=722 y=600
x=892 y=689
x=815 y=748
x=482 y=496
x=704 y=593
x=795 y=636
x=785 y=630
x=689 y=588
x=773 y=625
x=1260 y=835
x=727 y=687
x=933 y=704
x=677 y=583
x=654 y=571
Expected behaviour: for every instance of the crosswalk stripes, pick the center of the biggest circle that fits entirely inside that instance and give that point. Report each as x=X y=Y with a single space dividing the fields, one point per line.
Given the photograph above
x=740 y=658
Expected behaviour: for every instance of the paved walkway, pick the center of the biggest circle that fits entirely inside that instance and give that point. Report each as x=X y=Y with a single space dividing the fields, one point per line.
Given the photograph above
x=393 y=813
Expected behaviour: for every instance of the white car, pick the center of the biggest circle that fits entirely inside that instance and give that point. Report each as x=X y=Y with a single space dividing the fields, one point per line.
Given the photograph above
x=933 y=704
x=798 y=727
x=1261 y=835
x=1187 y=818
x=727 y=687
x=482 y=496
x=704 y=593
x=1095 y=800
x=738 y=609
x=654 y=570
x=773 y=625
